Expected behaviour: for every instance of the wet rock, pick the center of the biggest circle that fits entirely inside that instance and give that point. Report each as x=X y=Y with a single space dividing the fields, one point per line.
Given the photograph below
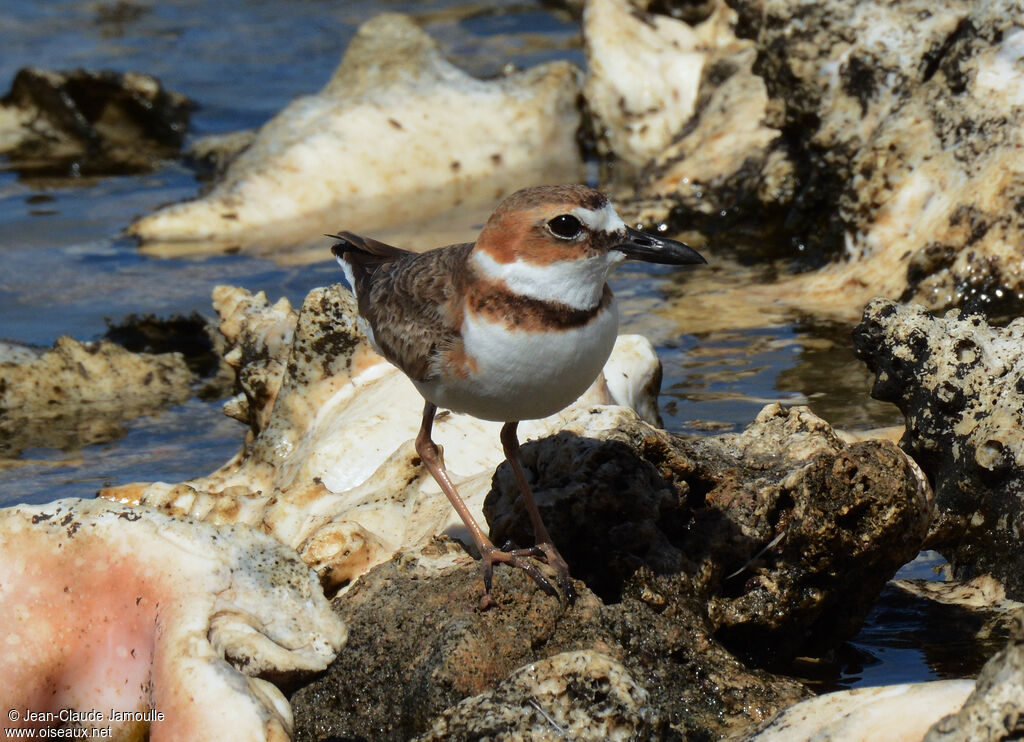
x=994 y=711
x=462 y=142
x=192 y=336
x=957 y=381
x=80 y=393
x=328 y=465
x=960 y=624
x=904 y=121
x=581 y=695
x=419 y=644
x=896 y=713
x=84 y=122
x=124 y=609
x=787 y=532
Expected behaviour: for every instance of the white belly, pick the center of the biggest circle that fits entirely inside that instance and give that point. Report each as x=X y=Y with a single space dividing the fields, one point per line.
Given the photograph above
x=526 y=375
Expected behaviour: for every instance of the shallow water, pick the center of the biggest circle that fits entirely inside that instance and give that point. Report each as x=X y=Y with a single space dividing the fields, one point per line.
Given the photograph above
x=64 y=269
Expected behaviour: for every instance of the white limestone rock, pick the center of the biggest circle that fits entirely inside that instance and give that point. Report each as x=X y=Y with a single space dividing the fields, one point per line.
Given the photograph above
x=643 y=73
x=397 y=135
x=894 y=713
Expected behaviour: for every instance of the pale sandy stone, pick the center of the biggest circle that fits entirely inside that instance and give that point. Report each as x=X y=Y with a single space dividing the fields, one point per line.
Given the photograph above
x=397 y=135
x=895 y=713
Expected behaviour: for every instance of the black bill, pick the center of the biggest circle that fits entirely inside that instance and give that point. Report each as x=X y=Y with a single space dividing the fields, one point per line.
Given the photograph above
x=642 y=246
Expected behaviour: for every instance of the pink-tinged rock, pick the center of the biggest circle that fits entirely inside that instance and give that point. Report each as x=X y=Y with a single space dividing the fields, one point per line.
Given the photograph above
x=116 y=612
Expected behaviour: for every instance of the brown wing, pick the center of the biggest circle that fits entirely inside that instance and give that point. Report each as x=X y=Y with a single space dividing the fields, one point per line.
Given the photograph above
x=408 y=299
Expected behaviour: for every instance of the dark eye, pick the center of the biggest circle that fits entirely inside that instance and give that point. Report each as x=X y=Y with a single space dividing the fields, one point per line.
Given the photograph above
x=565 y=226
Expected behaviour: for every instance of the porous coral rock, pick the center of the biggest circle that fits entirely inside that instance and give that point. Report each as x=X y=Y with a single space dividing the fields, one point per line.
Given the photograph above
x=898 y=171
x=905 y=121
x=112 y=608
x=643 y=71
x=78 y=393
x=398 y=134
x=580 y=695
x=679 y=104
x=788 y=533
x=328 y=466
x=420 y=644
x=957 y=381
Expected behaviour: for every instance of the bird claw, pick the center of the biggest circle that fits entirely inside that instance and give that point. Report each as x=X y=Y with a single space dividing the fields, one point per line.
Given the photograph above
x=519 y=558
x=533 y=551
x=554 y=560
x=491 y=557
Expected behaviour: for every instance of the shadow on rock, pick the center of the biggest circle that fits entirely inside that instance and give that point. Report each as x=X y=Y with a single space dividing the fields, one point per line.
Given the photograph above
x=787 y=533
x=85 y=122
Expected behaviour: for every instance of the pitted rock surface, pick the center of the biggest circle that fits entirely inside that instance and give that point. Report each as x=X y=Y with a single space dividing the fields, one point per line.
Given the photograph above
x=959 y=382
x=785 y=531
x=419 y=644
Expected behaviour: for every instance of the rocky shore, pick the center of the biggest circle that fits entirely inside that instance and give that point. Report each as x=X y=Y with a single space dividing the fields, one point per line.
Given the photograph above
x=318 y=585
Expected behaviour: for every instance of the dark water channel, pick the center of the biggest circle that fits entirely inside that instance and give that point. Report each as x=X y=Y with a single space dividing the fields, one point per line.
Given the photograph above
x=65 y=269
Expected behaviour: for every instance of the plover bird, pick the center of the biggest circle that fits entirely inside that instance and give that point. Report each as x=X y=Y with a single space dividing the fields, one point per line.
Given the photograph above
x=512 y=327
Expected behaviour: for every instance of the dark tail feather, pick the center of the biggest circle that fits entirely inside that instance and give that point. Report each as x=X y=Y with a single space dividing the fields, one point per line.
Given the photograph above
x=364 y=250
x=360 y=256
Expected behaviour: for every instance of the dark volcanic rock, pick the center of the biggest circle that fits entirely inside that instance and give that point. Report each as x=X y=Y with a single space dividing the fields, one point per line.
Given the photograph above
x=787 y=533
x=84 y=122
x=419 y=643
x=960 y=384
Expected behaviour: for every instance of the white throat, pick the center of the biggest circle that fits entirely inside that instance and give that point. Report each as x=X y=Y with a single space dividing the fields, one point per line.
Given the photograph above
x=576 y=283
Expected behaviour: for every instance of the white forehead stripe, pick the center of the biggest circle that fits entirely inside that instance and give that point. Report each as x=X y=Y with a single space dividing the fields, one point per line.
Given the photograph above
x=600 y=220
x=578 y=283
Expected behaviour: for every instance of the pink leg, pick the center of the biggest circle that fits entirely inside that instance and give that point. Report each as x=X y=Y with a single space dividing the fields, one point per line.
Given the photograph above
x=510 y=442
x=432 y=457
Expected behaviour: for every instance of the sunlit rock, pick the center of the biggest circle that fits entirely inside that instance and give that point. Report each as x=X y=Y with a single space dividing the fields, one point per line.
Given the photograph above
x=643 y=73
x=423 y=659
x=906 y=122
x=79 y=393
x=115 y=609
x=329 y=466
x=898 y=171
x=787 y=533
x=894 y=713
x=397 y=135
x=679 y=102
